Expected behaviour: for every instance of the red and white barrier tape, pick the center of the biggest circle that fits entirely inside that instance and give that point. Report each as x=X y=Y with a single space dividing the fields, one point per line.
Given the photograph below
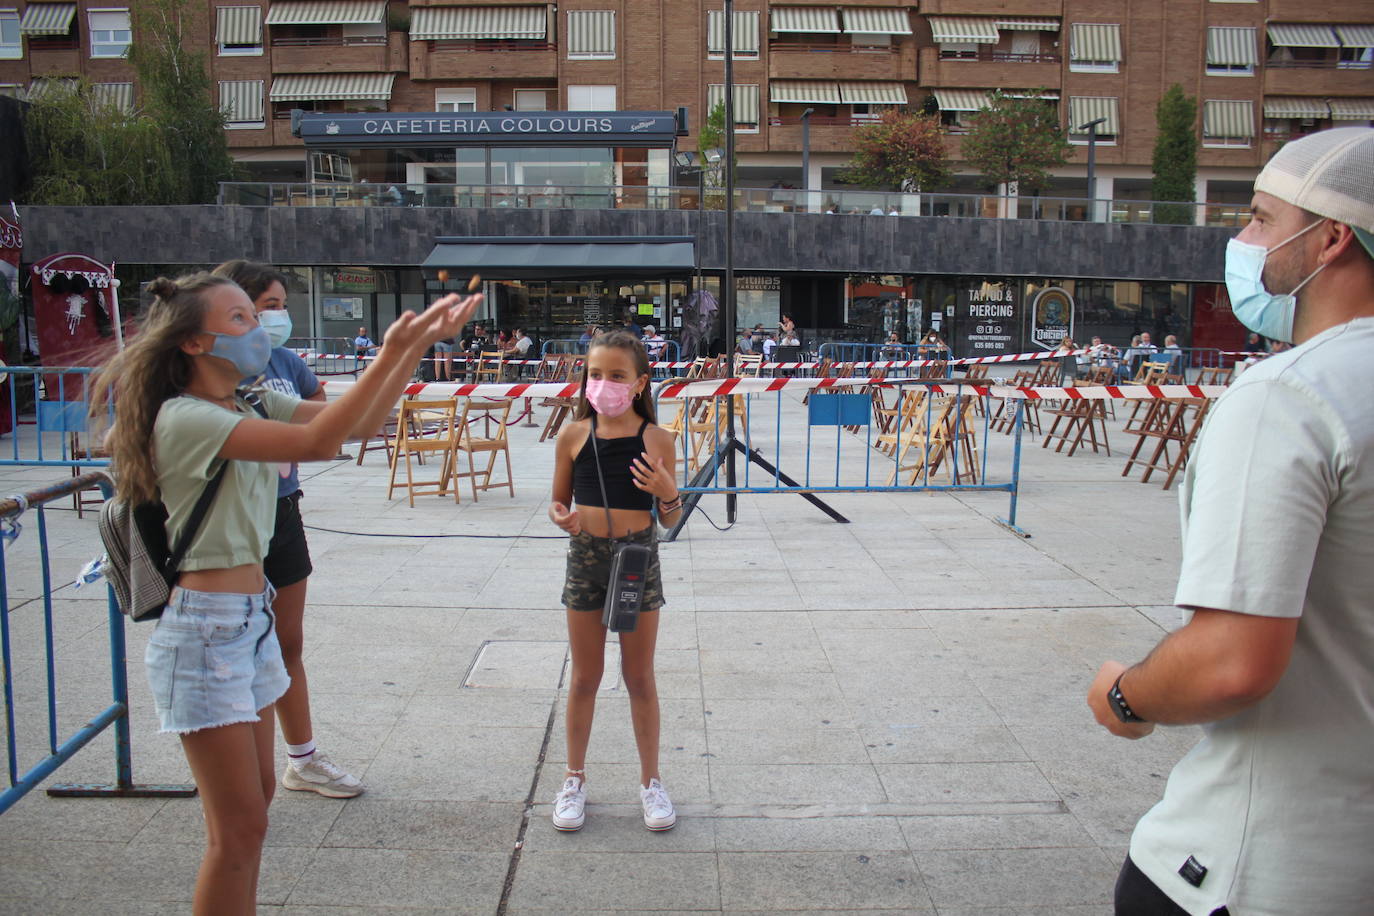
x=719 y=387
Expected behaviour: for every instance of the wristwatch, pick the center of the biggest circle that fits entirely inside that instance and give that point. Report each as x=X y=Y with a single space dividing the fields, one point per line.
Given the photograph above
x=1118 y=702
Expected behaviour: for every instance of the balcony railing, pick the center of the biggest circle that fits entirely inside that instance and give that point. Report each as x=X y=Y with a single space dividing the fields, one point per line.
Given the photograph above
x=857 y=120
x=329 y=42
x=490 y=44
x=787 y=47
x=986 y=55
x=758 y=200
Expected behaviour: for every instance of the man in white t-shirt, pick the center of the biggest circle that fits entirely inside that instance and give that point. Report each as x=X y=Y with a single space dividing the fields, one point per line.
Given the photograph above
x=1273 y=811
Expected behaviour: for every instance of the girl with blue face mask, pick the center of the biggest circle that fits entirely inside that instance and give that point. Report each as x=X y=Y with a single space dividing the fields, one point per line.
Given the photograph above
x=287 y=564
x=214 y=662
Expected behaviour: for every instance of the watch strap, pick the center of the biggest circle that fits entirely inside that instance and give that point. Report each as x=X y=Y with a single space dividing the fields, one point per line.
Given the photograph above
x=1118 y=702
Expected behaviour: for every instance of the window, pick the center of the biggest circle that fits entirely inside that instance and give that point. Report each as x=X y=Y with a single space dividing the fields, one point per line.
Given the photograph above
x=745 y=38
x=242 y=104
x=591 y=35
x=11 y=43
x=455 y=99
x=531 y=100
x=1228 y=123
x=1086 y=109
x=238 y=30
x=591 y=98
x=111 y=33
x=1094 y=47
x=1351 y=58
x=1231 y=52
x=746 y=105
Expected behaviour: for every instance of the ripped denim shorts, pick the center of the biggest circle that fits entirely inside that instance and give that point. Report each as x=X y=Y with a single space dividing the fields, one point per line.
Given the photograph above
x=214 y=660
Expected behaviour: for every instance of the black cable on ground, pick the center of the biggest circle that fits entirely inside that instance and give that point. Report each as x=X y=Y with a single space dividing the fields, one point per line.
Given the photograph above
x=486 y=537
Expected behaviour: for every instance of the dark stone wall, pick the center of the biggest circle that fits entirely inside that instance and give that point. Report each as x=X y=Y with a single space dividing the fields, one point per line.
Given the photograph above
x=764 y=242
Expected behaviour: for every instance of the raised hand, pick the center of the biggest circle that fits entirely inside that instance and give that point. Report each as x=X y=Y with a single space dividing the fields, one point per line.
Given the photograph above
x=652 y=476
x=567 y=519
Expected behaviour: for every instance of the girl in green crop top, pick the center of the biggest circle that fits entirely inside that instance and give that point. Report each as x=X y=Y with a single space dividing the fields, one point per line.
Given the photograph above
x=214 y=663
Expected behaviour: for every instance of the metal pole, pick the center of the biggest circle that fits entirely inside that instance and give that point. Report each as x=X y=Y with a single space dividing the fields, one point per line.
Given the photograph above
x=1092 y=169
x=806 y=154
x=728 y=290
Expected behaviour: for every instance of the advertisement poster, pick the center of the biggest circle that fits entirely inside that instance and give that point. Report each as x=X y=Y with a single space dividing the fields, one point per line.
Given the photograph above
x=341 y=308
x=1051 y=317
x=988 y=320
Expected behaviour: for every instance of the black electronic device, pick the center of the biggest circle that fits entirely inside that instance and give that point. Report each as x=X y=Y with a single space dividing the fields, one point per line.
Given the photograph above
x=629 y=566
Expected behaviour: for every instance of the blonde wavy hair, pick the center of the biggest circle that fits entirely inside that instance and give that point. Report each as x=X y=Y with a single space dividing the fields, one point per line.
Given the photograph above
x=150 y=370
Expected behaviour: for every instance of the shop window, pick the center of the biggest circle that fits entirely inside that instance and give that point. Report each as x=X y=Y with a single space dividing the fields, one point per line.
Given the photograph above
x=11 y=42
x=111 y=33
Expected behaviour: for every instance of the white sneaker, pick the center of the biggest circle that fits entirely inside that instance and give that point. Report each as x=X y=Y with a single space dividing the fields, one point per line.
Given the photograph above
x=658 y=807
x=323 y=776
x=570 y=805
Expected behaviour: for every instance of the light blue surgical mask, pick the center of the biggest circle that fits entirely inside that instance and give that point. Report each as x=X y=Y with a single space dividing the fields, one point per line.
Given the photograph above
x=1267 y=314
x=248 y=352
x=277 y=323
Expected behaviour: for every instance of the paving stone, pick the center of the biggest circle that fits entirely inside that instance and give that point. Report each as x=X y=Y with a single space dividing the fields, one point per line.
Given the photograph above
x=765 y=880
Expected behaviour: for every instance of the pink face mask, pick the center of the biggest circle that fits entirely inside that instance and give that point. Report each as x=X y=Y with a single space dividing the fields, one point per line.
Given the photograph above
x=610 y=399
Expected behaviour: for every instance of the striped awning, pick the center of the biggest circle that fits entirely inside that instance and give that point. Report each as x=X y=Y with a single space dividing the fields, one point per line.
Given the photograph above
x=241 y=100
x=1231 y=47
x=862 y=20
x=961 y=99
x=40 y=86
x=320 y=87
x=872 y=93
x=471 y=22
x=47 y=18
x=1296 y=108
x=238 y=25
x=114 y=95
x=1028 y=25
x=591 y=32
x=805 y=19
x=1356 y=36
x=1095 y=41
x=1288 y=35
x=1352 y=109
x=958 y=30
x=1228 y=118
x=327 y=12
x=746 y=101
x=745 y=39
x=1086 y=108
x=809 y=92
x=1046 y=95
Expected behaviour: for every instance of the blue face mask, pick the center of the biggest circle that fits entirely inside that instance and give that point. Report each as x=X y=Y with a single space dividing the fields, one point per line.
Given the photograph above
x=248 y=352
x=277 y=323
x=1267 y=314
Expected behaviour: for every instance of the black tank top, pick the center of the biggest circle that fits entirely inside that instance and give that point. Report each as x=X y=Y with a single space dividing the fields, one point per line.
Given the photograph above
x=616 y=455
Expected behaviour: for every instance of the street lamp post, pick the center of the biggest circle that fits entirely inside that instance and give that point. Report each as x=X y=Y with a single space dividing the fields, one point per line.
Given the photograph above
x=1091 y=128
x=806 y=154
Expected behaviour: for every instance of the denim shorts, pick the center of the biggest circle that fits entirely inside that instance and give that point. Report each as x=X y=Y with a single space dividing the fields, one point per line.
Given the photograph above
x=214 y=660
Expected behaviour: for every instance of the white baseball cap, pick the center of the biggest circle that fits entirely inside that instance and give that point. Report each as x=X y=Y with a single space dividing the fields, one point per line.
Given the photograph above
x=1329 y=173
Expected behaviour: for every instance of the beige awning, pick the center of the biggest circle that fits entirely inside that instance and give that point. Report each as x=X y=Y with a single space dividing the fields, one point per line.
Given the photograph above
x=872 y=93
x=591 y=33
x=1095 y=41
x=1288 y=35
x=40 y=86
x=321 y=87
x=47 y=19
x=746 y=37
x=1356 y=36
x=1352 y=109
x=805 y=19
x=961 y=99
x=473 y=22
x=1228 y=118
x=114 y=95
x=241 y=100
x=238 y=25
x=1296 y=108
x=1028 y=25
x=957 y=30
x=746 y=101
x=1231 y=47
x=327 y=12
x=861 y=20
x=1047 y=95
x=1086 y=108
x=808 y=92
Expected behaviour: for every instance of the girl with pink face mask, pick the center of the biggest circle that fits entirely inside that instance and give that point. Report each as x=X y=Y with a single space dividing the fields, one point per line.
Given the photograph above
x=637 y=464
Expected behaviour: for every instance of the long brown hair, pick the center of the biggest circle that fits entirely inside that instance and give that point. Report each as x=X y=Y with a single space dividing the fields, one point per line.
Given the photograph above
x=150 y=370
x=253 y=276
x=619 y=340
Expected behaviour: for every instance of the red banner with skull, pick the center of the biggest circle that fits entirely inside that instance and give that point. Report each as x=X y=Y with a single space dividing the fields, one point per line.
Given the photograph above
x=74 y=308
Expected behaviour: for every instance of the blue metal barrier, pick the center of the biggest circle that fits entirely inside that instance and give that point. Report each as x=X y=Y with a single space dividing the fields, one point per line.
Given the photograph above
x=52 y=435
x=846 y=352
x=928 y=427
x=669 y=350
x=116 y=714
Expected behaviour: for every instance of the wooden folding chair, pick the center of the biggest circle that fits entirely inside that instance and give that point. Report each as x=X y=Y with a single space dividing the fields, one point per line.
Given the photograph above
x=570 y=369
x=426 y=427
x=490 y=439
x=386 y=435
x=78 y=452
x=900 y=418
x=491 y=367
x=1173 y=422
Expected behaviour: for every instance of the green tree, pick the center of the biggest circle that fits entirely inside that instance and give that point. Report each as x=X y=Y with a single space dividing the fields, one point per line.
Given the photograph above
x=1016 y=140
x=900 y=149
x=712 y=136
x=176 y=94
x=1175 y=158
x=87 y=153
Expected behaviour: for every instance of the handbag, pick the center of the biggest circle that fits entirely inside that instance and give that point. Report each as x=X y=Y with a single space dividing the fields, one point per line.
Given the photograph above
x=629 y=567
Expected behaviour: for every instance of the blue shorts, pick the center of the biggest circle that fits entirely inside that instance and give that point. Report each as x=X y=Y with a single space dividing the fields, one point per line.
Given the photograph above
x=214 y=660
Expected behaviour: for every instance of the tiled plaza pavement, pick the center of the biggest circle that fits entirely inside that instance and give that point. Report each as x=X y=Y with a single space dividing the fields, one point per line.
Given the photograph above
x=881 y=716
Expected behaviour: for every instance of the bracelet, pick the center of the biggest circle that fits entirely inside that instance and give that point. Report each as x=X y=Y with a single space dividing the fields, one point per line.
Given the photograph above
x=673 y=505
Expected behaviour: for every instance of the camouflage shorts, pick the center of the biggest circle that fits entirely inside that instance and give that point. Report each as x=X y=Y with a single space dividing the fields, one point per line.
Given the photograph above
x=589 y=570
